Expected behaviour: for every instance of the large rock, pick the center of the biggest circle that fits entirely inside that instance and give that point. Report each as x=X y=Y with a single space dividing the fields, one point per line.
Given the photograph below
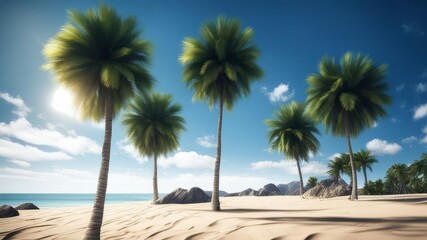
x=221 y=193
x=247 y=192
x=8 y=211
x=291 y=188
x=269 y=190
x=182 y=196
x=328 y=188
x=27 y=206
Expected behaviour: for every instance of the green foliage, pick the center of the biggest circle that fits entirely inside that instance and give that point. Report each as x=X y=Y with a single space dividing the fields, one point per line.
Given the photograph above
x=353 y=91
x=98 y=52
x=221 y=62
x=311 y=182
x=340 y=165
x=292 y=132
x=365 y=159
x=374 y=188
x=153 y=124
x=397 y=178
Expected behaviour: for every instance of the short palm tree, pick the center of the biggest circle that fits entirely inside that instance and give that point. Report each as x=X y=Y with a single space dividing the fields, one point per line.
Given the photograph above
x=292 y=133
x=153 y=126
x=418 y=172
x=365 y=160
x=398 y=176
x=348 y=97
x=339 y=166
x=101 y=59
x=220 y=68
x=311 y=182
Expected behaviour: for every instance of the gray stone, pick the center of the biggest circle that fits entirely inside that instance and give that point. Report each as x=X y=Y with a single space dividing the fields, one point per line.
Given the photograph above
x=182 y=196
x=328 y=188
x=269 y=190
x=291 y=188
x=27 y=206
x=8 y=211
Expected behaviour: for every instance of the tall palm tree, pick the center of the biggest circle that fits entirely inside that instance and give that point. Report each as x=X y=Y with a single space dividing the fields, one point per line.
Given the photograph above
x=348 y=97
x=292 y=133
x=398 y=176
x=220 y=67
x=365 y=160
x=101 y=59
x=153 y=126
x=311 y=182
x=337 y=167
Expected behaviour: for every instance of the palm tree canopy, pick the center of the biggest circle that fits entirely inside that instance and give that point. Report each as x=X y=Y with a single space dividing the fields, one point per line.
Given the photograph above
x=337 y=167
x=364 y=159
x=419 y=167
x=311 y=182
x=352 y=91
x=221 y=63
x=398 y=171
x=292 y=132
x=97 y=52
x=153 y=124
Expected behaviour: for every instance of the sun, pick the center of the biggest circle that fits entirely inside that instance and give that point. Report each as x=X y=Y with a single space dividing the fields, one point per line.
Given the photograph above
x=62 y=102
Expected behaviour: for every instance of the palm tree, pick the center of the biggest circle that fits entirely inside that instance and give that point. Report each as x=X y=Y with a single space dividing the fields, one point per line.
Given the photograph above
x=311 y=182
x=220 y=68
x=153 y=126
x=101 y=59
x=348 y=97
x=398 y=177
x=418 y=172
x=365 y=160
x=292 y=133
x=337 y=166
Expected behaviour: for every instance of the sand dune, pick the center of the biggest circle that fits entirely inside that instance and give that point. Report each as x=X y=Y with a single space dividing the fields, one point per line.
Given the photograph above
x=279 y=217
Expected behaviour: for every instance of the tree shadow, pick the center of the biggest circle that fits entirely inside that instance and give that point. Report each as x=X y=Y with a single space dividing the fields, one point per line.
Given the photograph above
x=402 y=199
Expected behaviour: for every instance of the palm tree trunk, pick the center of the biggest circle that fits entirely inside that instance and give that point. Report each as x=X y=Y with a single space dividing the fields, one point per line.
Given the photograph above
x=155 y=189
x=353 y=195
x=301 y=184
x=93 y=230
x=215 y=192
x=364 y=174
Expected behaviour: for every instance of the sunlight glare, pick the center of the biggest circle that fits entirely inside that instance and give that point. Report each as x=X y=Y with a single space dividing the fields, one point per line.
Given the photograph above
x=63 y=102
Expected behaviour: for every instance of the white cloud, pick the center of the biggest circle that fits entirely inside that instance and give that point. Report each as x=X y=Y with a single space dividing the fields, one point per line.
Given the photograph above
x=128 y=148
x=187 y=160
x=421 y=87
x=279 y=94
x=382 y=147
x=24 y=131
x=420 y=111
x=424 y=140
x=16 y=151
x=400 y=87
x=54 y=181
x=207 y=141
x=312 y=168
x=333 y=156
x=409 y=140
x=375 y=125
x=20 y=163
x=22 y=109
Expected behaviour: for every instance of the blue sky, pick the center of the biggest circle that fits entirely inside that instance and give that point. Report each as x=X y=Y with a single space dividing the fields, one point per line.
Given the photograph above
x=42 y=149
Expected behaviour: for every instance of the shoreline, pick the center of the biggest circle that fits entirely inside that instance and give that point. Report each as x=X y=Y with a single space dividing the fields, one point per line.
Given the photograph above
x=272 y=217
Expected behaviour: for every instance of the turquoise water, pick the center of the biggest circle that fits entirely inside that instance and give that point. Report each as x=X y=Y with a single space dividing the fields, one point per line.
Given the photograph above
x=65 y=200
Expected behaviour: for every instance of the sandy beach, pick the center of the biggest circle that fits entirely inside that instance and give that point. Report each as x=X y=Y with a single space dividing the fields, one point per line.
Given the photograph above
x=278 y=217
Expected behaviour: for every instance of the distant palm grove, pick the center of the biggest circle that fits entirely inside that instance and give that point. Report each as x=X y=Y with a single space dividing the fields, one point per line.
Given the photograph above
x=103 y=60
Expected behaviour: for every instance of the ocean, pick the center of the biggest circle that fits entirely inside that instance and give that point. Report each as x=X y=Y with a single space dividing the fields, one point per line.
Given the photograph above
x=48 y=200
